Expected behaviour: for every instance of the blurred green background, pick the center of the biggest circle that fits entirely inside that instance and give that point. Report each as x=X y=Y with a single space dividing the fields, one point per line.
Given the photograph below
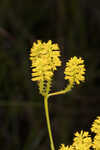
x=75 y=26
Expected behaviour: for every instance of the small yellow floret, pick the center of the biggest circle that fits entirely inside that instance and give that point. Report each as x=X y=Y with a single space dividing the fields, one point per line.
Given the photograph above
x=96 y=141
x=45 y=59
x=82 y=141
x=63 y=147
x=75 y=70
x=96 y=129
x=96 y=125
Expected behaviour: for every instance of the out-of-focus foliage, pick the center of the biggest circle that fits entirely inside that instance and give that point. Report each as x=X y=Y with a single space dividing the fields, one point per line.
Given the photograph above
x=75 y=25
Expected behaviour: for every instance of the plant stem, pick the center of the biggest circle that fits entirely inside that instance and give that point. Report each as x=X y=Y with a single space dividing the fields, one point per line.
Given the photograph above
x=67 y=89
x=48 y=122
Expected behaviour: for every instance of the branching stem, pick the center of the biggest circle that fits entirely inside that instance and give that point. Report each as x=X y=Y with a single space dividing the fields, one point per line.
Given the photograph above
x=67 y=89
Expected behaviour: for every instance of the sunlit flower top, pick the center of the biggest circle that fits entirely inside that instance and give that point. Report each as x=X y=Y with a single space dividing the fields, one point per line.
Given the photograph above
x=96 y=129
x=63 y=147
x=96 y=126
x=82 y=141
x=96 y=141
x=75 y=70
x=45 y=59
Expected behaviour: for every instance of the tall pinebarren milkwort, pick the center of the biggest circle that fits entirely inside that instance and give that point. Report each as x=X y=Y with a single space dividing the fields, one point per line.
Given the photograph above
x=45 y=58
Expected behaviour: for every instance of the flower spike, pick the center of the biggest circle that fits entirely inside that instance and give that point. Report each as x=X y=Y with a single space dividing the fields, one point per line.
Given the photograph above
x=75 y=70
x=45 y=59
x=82 y=141
x=96 y=129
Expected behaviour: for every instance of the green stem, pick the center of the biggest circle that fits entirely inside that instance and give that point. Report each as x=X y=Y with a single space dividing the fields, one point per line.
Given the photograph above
x=48 y=122
x=67 y=89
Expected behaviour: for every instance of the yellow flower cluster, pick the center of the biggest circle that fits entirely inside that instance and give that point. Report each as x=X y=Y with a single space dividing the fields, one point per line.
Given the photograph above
x=83 y=141
x=75 y=70
x=96 y=125
x=96 y=141
x=45 y=59
x=63 y=147
x=96 y=129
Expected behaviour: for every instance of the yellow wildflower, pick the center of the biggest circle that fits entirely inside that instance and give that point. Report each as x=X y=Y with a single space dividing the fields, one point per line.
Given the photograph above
x=63 y=147
x=96 y=126
x=82 y=141
x=96 y=142
x=96 y=129
x=45 y=59
x=75 y=70
x=69 y=147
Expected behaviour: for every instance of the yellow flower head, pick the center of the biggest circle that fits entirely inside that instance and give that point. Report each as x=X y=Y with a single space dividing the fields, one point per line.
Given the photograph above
x=96 y=129
x=96 y=126
x=45 y=59
x=75 y=70
x=82 y=141
x=96 y=141
x=63 y=147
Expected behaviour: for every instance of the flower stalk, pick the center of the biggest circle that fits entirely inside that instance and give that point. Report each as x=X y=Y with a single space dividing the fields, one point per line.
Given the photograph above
x=48 y=122
x=67 y=89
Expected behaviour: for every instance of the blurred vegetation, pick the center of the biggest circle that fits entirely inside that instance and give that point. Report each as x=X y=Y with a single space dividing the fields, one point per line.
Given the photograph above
x=75 y=25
